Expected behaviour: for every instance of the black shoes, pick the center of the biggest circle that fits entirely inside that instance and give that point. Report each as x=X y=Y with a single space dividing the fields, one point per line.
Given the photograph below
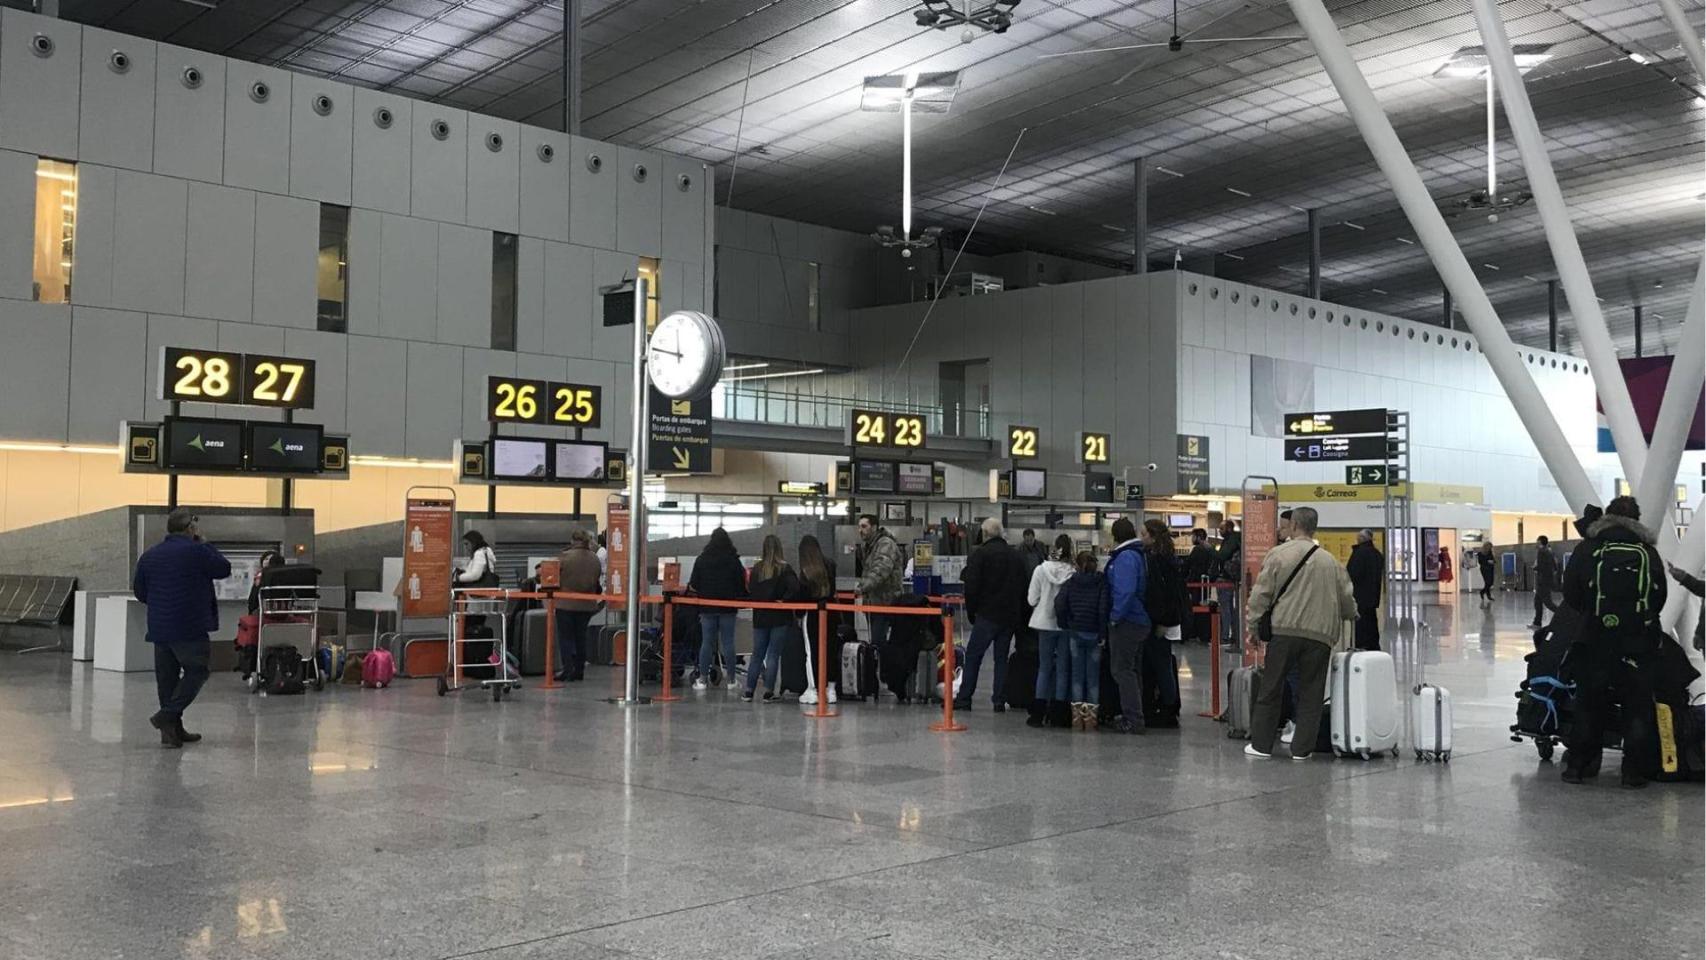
x=999 y=708
x=171 y=737
x=1571 y=776
x=186 y=736
x=962 y=705
x=1127 y=725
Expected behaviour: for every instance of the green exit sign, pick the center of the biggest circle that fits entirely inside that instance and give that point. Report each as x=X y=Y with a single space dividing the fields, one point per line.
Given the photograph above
x=1366 y=475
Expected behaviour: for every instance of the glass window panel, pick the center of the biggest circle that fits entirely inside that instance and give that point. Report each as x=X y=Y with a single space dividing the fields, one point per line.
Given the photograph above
x=332 y=270
x=55 y=229
x=505 y=254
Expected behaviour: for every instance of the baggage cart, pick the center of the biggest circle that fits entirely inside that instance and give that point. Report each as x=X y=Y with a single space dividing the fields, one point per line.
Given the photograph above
x=467 y=665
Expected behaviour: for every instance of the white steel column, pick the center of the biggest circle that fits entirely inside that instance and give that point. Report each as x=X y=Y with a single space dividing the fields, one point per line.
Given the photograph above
x=1678 y=602
x=1670 y=431
x=1442 y=249
x=1561 y=237
x=1686 y=35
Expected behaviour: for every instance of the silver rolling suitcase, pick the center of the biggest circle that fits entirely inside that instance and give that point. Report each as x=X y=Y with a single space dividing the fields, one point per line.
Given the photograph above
x=1365 y=704
x=1239 y=701
x=1430 y=719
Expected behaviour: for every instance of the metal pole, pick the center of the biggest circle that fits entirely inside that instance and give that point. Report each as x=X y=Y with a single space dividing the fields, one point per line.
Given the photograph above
x=1140 y=215
x=1685 y=35
x=1552 y=315
x=1445 y=293
x=1566 y=252
x=1549 y=440
x=1676 y=412
x=1314 y=254
x=637 y=493
x=572 y=67
x=1492 y=139
x=171 y=478
x=287 y=488
x=1638 y=352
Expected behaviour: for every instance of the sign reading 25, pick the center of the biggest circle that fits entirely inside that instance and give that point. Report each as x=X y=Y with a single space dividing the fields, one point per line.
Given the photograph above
x=513 y=400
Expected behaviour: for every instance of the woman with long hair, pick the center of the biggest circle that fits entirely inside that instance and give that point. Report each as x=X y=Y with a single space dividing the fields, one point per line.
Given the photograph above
x=1166 y=583
x=817 y=582
x=717 y=575
x=1054 y=658
x=772 y=581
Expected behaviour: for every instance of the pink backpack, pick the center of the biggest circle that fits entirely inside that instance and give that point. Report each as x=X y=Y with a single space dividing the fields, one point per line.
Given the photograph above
x=377 y=669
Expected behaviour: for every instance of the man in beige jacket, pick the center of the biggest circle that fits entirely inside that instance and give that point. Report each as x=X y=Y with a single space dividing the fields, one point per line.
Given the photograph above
x=1308 y=620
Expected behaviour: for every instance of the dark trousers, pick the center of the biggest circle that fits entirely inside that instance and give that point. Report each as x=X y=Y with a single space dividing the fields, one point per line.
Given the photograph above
x=1157 y=664
x=1606 y=680
x=179 y=671
x=1487 y=583
x=1368 y=628
x=1311 y=659
x=986 y=634
x=571 y=641
x=1125 y=645
x=1543 y=602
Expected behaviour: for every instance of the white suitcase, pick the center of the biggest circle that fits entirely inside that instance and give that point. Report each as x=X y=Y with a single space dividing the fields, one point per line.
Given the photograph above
x=1430 y=721
x=1365 y=704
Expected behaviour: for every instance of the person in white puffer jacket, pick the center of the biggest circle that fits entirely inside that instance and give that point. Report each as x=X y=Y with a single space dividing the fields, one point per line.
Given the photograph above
x=1052 y=705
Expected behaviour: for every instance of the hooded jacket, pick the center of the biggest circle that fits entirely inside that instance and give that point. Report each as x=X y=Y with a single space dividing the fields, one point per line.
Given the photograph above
x=1046 y=581
x=882 y=567
x=718 y=575
x=1367 y=575
x=1578 y=573
x=994 y=576
x=1081 y=604
x=1127 y=578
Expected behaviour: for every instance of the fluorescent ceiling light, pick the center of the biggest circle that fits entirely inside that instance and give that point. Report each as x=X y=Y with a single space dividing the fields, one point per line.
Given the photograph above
x=1638 y=57
x=745 y=366
x=1237 y=191
x=1405 y=240
x=772 y=376
x=1232 y=256
x=929 y=92
x=1354 y=226
x=1490 y=266
x=25 y=446
x=1044 y=212
x=1471 y=62
x=56 y=175
x=1170 y=173
x=371 y=460
x=1377 y=290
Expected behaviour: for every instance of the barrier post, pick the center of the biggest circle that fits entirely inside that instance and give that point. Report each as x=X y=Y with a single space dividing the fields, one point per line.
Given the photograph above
x=822 y=710
x=550 y=642
x=1213 y=662
x=947 y=724
x=455 y=649
x=665 y=696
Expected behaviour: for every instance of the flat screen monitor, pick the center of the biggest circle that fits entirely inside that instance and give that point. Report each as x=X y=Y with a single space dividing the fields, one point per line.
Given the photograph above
x=519 y=459
x=198 y=444
x=1030 y=484
x=1180 y=521
x=874 y=476
x=285 y=447
x=579 y=460
x=915 y=478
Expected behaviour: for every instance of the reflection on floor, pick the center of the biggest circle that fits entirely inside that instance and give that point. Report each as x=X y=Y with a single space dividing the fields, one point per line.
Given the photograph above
x=369 y=824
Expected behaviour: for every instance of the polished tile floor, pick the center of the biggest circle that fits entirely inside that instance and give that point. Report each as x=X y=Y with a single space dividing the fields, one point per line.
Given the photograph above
x=369 y=824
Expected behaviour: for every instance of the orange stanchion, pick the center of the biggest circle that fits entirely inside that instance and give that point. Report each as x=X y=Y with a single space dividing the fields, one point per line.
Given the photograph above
x=947 y=724
x=1213 y=660
x=550 y=682
x=668 y=653
x=822 y=710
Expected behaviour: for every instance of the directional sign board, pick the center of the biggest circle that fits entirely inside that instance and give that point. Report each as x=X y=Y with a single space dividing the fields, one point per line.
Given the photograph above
x=679 y=436
x=1332 y=422
x=1193 y=463
x=1334 y=449
x=1367 y=475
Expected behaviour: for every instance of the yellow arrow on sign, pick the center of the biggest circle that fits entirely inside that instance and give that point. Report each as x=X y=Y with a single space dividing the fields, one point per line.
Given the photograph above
x=683 y=459
x=1193 y=487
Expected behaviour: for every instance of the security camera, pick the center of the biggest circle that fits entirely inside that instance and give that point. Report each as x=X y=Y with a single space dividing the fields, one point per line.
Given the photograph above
x=1151 y=467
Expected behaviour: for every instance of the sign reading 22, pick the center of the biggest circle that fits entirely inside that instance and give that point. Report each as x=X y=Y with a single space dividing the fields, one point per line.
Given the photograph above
x=1022 y=442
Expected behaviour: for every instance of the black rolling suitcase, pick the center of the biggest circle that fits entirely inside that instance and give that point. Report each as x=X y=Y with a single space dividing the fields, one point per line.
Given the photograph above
x=476 y=652
x=792 y=675
x=529 y=648
x=1157 y=713
x=1021 y=686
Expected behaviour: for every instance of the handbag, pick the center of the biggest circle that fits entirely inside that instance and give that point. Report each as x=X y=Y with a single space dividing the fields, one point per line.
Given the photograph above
x=1265 y=623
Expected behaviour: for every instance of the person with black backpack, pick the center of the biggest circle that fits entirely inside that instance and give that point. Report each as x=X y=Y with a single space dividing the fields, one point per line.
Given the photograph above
x=1164 y=599
x=1616 y=581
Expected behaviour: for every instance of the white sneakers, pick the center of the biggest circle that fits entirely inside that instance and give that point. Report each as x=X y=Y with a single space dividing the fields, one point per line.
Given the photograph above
x=1290 y=731
x=809 y=698
x=1251 y=751
x=699 y=683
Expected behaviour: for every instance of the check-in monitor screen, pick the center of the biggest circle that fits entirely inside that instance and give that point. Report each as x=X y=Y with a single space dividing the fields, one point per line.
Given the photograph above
x=914 y=478
x=519 y=460
x=579 y=461
x=197 y=444
x=875 y=476
x=284 y=447
x=1030 y=484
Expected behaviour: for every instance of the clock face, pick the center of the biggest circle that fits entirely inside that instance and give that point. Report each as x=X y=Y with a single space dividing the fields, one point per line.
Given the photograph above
x=685 y=355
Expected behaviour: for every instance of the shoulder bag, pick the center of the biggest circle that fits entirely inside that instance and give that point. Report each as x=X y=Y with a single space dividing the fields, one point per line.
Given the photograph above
x=1265 y=624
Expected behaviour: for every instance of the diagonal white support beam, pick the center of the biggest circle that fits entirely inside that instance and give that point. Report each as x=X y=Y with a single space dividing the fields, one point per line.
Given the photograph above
x=1685 y=33
x=1690 y=557
x=1655 y=488
x=1561 y=237
x=1442 y=249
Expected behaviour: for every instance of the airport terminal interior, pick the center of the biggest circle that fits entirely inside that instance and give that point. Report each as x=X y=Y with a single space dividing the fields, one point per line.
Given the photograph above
x=864 y=479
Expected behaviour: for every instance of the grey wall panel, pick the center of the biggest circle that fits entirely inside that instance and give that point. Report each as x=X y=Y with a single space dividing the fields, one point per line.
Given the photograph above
x=609 y=343
x=438 y=169
x=378 y=368
x=434 y=405
x=219 y=277
x=737 y=284
x=683 y=286
x=321 y=146
x=494 y=184
x=38 y=95
x=366 y=242
x=109 y=366
x=17 y=241
x=149 y=233
x=592 y=193
x=477 y=365
x=381 y=177
x=1101 y=352
x=33 y=381
x=330 y=353
x=464 y=285
x=408 y=286
x=189 y=123
x=164 y=331
x=287 y=238
x=257 y=134
x=684 y=209
x=530 y=296
x=572 y=306
x=97 y=215
x=1066 y=364
x=544 y=184
x=1032 y=388
x=639 y=202
x=251 y=338
x=116 y=126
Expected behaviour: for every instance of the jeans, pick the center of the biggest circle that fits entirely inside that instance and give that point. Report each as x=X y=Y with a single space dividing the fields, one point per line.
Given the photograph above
x=1086 y=684
x=1157 y=662
x=1054 y=665
x=1228 y=597
x=571 y=642
x=711 y=625
x=179 y=671
x=1368 y=628
x=1125 y=641
x=1310 y=659
x=766 y=654
x=985 y=634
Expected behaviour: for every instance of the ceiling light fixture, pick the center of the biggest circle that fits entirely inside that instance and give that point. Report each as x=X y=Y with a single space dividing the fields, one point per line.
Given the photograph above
x=1490 y=266
x=1232 y=256
x=1354 y=226
x=1472 y=63
x=745 y=366
x=993 y=17
x=1405 y=240
x=1170 y=173
x=904 y=93
x=1640 y=58
x=773 y=376
x=1237 y=191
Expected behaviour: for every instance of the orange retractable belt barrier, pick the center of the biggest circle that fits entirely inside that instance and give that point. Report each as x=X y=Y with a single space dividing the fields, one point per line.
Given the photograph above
x=1213 y=612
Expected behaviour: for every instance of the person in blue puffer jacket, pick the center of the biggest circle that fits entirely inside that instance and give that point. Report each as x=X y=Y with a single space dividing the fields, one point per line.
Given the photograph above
x=174 y=580
x=1128 y=622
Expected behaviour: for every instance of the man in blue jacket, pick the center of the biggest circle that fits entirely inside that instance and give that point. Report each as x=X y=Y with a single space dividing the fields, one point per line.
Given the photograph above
x=1128 y=622
x=174 y=579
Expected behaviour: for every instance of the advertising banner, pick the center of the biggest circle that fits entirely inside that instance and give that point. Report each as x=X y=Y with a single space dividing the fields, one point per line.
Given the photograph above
x=428 y=552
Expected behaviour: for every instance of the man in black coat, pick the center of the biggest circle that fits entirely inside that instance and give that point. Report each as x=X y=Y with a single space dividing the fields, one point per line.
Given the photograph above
x=995 y=583
x=1367 y=569
x=1545 y=579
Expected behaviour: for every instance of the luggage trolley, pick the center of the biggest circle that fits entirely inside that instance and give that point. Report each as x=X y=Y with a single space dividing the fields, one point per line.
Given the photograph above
x=493 y=671
x=289 y=616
